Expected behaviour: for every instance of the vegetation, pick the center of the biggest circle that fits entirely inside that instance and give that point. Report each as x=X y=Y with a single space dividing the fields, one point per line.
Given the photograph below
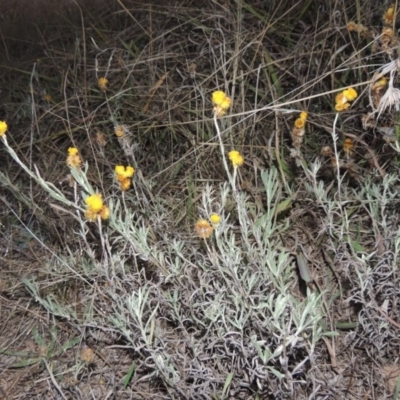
x=200 y=200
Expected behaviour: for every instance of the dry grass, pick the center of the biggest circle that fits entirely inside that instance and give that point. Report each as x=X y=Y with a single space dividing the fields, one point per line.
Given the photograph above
x=295 y=295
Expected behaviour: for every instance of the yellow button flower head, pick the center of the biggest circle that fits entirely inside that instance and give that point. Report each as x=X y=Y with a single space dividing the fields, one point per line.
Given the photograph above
x=350 y=94
x=94 y=202
x=298 y=129
x=96 y=207
x=221 y=103
x=73 y=159
x=303 y=115
x=343 y=99
x=102 y=83
x=299 y=123
x=124 y=175
x=3 y=128
x=203 y=229
x=236 y=158
x=124 y=172
x=215 y=219
x=218 y=97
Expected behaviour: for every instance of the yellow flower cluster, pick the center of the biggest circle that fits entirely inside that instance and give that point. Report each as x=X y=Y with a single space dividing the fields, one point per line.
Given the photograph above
x=124 y=175
x=301 y=121
x=3 y=128
x=102 y=83
x=344 y=98
x=236 y=158
x=221 y=103
x=204 y=229
x=95 y=208
x=299 y=129
x=73 y=159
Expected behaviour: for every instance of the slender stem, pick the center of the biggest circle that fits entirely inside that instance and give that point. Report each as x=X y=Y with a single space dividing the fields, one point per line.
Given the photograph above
x=221 y=144
x=335 y=138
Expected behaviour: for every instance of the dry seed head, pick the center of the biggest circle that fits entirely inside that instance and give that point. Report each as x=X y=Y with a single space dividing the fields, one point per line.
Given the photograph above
x=388 y=40
x=101 y=139
x=297 y=137
x=91 y=215
x=87 y=355
x=334 y=162
x=377 y=91
x=368 y=121
x=203 y=229
x=359 y=28
x=104 y=213
x=327 y=151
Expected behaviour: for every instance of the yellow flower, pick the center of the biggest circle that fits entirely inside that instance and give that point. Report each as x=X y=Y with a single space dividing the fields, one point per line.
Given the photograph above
x=379 y=84
x=299 y=123
x=342 y=99
x=350 y=94
x=94 y=202
x=221 y=103
x=3 y=128
x=72 y=151
x=102 y=83
x=119 y=130
x=304 y=115
x=218 y=97
x=123 y=176
x=215 y=219
x=203 y=229
x=96 y=208
x=125 y=184
x=236 y=158
x=73 y=159
x=124 y=172
x=341 y=107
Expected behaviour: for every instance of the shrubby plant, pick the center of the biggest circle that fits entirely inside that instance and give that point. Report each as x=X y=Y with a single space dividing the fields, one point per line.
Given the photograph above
x=234 y=289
